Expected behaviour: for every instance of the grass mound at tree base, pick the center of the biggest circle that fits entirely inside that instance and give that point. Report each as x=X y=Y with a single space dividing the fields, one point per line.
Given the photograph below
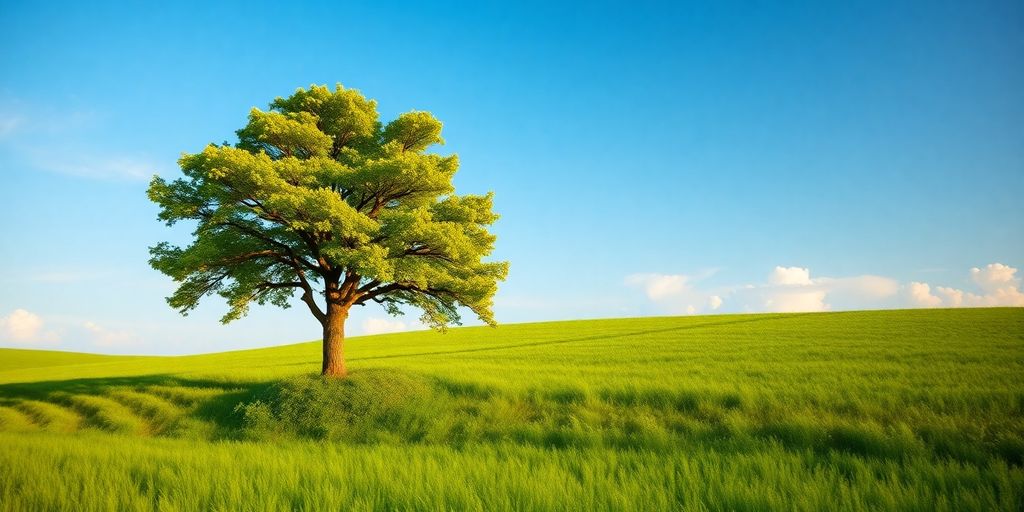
x=371 y=406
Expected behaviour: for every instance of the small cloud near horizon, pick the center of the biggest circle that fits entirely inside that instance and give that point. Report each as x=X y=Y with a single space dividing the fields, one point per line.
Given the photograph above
x=110 y=338
x=24 y=327
x=374 y=325
x=677 y=293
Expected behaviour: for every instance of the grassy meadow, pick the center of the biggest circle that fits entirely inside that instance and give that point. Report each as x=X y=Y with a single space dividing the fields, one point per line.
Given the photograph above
x=884 y=410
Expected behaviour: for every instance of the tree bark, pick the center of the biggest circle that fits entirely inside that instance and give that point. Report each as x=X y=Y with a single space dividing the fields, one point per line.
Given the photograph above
x=334 y=341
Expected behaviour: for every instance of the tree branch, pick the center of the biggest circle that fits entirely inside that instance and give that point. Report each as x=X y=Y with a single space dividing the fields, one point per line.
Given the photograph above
x=248 y=256
x=257 y=207
x=270 y=286
x=307 y=297
x=388 y=288
x=368 y=286
x=263 y=238
x=427 y=251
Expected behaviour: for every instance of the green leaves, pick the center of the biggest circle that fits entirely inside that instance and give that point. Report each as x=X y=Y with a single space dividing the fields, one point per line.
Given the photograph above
x=344 y=114
x=414 y=131
x=284 y=135
x=317 y=197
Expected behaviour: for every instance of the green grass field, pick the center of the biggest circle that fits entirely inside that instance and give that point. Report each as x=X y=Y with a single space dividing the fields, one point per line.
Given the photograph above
x=890 y=410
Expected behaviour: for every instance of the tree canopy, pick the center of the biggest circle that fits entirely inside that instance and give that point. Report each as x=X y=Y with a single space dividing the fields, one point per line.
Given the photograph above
x=318 y=197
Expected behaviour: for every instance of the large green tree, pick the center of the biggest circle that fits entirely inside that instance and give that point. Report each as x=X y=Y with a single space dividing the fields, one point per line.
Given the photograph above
x=319 y=198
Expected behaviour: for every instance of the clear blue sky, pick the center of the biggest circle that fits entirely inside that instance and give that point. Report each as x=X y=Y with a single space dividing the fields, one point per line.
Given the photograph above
x=661 y=159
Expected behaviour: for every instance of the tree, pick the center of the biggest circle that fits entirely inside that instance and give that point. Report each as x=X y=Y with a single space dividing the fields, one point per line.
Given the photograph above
x=319 y=198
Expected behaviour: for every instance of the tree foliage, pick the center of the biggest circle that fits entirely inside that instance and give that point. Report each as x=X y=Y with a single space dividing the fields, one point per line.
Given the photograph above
x=319 y=198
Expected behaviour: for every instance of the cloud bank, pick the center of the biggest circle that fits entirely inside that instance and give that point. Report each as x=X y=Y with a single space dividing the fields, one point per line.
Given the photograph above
x=23 y=327
x=795 y=289
x=997 y=283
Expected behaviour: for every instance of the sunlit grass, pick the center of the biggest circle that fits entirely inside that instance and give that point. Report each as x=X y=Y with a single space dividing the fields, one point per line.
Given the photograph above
x=855 y=411
x=124 y=473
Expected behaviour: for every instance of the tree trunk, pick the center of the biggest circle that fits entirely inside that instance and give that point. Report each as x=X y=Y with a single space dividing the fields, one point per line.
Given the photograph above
x=334 y=341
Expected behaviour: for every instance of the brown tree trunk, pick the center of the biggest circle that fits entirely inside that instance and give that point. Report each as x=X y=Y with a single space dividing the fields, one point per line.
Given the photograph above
x=334 y=340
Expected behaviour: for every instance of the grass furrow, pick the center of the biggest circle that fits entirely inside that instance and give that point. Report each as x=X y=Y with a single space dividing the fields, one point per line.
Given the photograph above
x=107 y=414
x=51 y=417
x=160 y=414
x=185 y=396
x=13 y=420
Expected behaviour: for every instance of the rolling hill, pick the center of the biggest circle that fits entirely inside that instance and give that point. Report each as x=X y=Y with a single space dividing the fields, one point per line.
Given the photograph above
x=920 y=409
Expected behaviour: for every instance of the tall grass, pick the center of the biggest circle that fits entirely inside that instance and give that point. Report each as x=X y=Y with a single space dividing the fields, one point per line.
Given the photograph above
x=118 y=473
x=902 y=410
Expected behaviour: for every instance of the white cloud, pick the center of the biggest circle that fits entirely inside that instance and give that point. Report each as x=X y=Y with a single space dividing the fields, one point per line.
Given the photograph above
x=790 y=276
x=920 y=294
x=383 y=326
x=949 y=296
x=104 y=337
x=792 y=289
x=21 y=326
x=675 y=293
x=659 y=286
x=994 y=277
x=997 y=282
x=788 y=289
x=795 y=289
x=1009 y=296
x=794 y=300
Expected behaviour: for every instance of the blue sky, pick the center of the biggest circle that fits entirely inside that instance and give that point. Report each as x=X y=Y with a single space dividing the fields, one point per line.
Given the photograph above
x=660 y=159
